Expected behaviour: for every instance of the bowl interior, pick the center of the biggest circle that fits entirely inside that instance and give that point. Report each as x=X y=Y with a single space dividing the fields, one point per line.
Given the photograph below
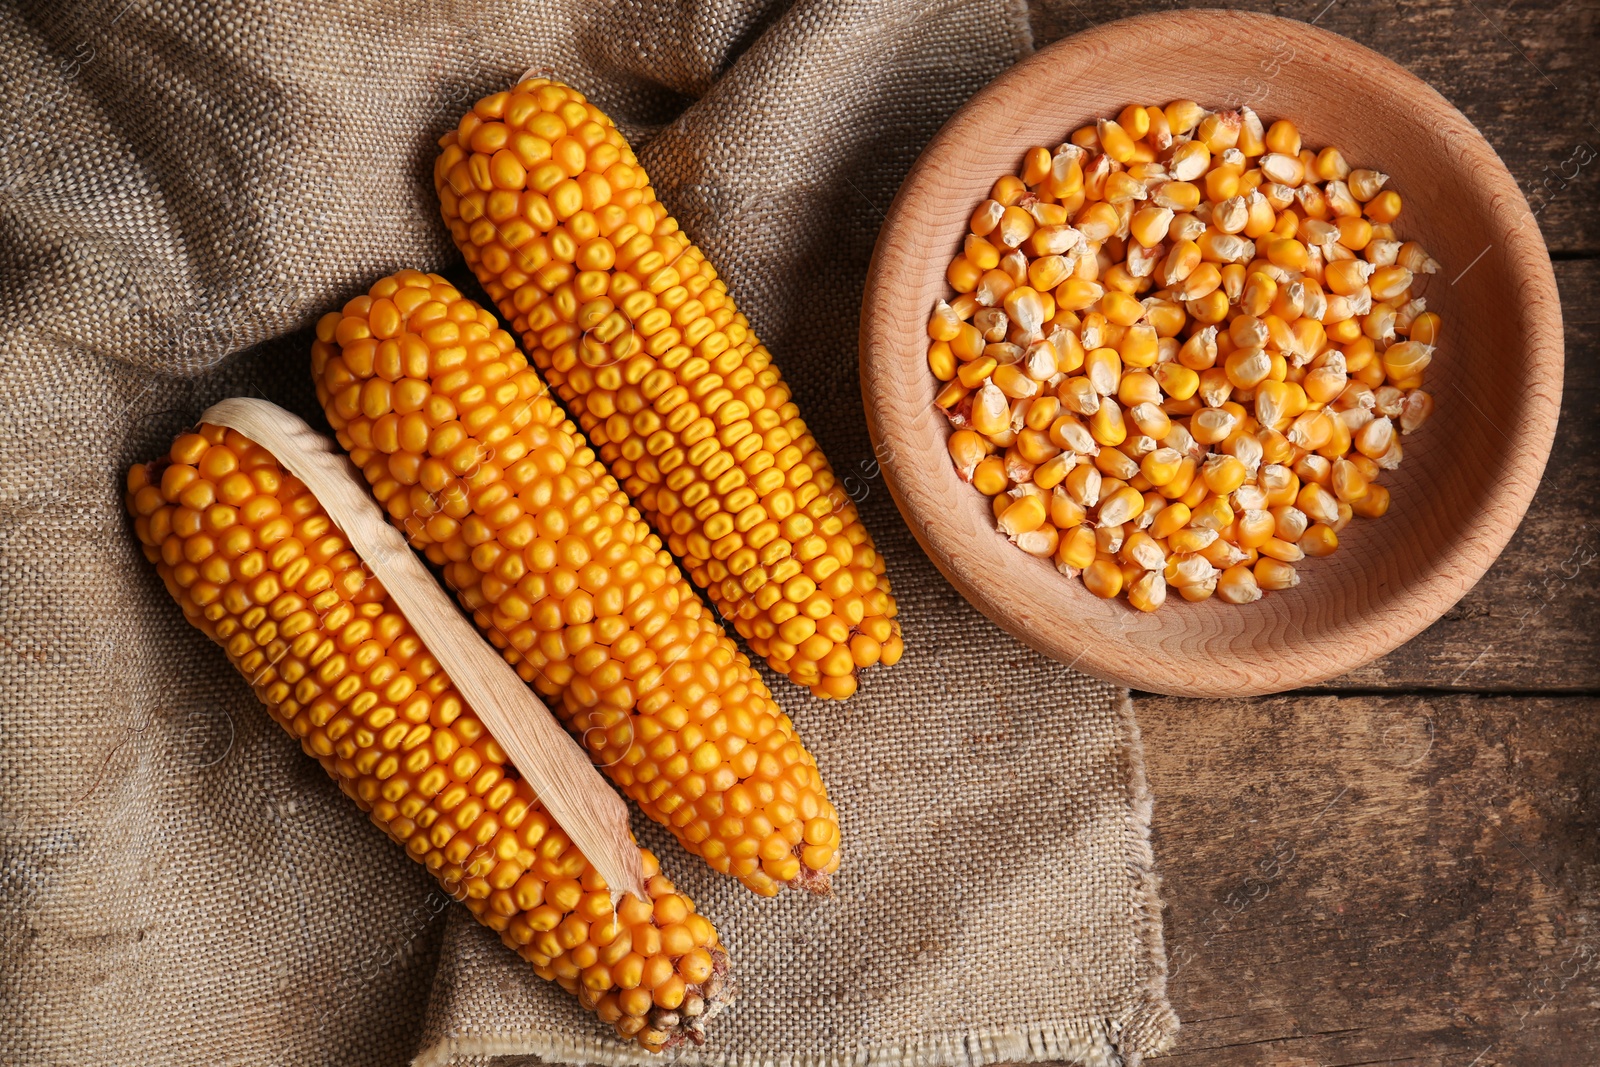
x=1467 y=475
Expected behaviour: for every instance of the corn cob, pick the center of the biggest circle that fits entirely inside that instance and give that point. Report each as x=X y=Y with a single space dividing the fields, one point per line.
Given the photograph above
x=254 y=562
x=474 y=460
x=639 y=337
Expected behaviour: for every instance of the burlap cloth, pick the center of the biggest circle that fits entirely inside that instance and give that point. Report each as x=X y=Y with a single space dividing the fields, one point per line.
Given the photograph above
x=184 y=190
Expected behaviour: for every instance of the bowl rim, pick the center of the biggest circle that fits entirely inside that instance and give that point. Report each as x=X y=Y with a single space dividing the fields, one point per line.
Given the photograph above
x=1440 y=583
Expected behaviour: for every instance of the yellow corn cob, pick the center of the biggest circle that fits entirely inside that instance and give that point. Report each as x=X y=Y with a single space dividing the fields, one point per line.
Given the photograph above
x=474 y=460
x=634 y=330
x=255 y=563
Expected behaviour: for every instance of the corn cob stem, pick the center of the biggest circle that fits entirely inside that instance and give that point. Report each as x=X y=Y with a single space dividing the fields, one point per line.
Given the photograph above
x=632 y=327
x=255 y=563
x=473 y=459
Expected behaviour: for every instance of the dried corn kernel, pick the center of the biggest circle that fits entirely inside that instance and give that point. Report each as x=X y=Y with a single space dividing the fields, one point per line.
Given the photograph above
x=1199 y=337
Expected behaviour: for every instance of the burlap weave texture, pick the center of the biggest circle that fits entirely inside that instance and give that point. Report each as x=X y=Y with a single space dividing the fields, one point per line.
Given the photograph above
x=184 y=188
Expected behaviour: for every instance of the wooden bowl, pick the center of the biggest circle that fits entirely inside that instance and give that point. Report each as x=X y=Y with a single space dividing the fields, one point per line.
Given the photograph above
x=1468 y=474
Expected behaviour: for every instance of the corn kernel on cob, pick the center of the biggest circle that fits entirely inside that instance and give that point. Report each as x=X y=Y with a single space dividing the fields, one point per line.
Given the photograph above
x=637 y=334
x=254 y=562
x=473 y=459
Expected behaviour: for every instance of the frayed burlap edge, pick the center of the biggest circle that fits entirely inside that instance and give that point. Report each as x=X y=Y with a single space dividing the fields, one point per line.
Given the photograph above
x=1149 y=1028
x=1022 y=19
x=1094 y=1043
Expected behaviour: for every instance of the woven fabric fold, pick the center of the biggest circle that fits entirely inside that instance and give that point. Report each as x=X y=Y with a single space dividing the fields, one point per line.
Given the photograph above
x=185 y=188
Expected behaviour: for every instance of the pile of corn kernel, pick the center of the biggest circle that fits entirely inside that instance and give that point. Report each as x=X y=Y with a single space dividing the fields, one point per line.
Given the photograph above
x=1183 y=351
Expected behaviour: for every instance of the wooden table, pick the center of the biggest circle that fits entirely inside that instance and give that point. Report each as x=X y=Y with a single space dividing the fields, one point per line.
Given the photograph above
x=1403 y=866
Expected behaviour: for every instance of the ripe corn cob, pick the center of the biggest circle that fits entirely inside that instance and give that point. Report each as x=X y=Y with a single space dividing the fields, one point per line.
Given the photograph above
x=634 y=330
x=473 y=459
x=255 y=563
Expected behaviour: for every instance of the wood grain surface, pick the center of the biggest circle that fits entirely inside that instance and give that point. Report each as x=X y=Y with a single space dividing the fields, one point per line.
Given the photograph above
x=1341 y=892
x=1467 y=479
x=1362 y=880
